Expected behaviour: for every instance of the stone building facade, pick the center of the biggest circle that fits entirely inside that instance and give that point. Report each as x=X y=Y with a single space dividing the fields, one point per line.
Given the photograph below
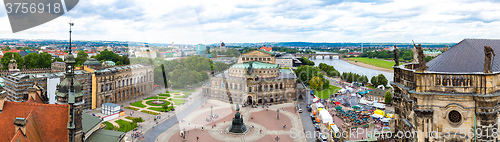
x=452 y=98
x=254 y=80
x=100 y=85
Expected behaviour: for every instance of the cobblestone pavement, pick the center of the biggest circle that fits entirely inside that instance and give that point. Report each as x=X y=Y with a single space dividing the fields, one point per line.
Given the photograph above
x=192 y=124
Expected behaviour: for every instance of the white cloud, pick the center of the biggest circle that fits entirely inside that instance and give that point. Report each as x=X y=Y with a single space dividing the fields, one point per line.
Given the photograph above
x=210 y=21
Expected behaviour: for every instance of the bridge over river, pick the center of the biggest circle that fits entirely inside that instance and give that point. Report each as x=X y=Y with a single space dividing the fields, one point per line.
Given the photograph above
x=323 y=55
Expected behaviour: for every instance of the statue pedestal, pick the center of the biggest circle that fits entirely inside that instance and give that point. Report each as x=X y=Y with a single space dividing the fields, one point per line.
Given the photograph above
x=237 y=130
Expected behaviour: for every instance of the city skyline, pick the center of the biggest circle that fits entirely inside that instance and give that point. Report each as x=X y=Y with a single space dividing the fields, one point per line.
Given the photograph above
x=207 y=22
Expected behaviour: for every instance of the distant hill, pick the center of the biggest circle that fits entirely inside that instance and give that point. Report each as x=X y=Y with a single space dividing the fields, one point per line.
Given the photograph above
x=326 y=44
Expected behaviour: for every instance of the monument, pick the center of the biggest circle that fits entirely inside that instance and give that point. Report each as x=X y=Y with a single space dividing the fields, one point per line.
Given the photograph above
x=237 y=127
x=488 y=51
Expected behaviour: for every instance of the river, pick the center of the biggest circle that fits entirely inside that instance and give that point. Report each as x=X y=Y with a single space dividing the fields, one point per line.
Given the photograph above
x=343 y=66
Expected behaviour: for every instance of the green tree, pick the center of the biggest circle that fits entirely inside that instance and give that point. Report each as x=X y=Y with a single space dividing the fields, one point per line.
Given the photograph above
x=378 y=80
x=316 y=83
x=44 y=60
x=165 y=107
x=388 y=97
x=57 y=59
x=119 y=63
x=31 y=61
x=8 y=56
x=306 y=73
x=81 y=57
x=6 y=48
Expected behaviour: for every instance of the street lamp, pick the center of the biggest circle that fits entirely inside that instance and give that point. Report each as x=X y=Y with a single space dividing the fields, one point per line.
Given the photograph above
x=211 y=108
x=278 y=113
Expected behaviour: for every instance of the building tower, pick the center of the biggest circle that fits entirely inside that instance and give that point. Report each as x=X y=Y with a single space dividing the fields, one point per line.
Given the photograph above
x=70 y=92
x=13 y=65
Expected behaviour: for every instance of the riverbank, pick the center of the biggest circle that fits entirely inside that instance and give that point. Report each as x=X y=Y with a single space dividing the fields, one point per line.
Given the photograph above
x=368 y=66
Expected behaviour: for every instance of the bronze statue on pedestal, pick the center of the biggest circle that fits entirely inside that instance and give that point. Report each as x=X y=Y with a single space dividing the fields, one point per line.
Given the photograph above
x=487 y=58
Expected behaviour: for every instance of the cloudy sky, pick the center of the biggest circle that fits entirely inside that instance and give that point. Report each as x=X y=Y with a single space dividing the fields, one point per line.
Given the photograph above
x=211 y=21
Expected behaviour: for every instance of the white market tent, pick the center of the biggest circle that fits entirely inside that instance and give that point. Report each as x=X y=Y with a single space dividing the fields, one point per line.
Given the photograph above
x=366 y=102
x=386 y=120
x=342 y=90
x=379 y=105
x=377 y=116
x=325 y=116
x=350 y=89
x=318 y=105
x=315 y=99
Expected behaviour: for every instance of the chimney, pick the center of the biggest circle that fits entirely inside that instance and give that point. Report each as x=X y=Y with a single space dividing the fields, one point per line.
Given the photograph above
x=20 y=124
x=3 y=98
x=32 y=93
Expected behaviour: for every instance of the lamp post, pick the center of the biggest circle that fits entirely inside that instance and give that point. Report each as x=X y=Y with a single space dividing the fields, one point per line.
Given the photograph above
x=278 y=113
x=211 y=108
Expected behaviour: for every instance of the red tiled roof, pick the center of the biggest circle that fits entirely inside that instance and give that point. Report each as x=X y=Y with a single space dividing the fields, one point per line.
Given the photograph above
x=45 y=122
x=269 y=49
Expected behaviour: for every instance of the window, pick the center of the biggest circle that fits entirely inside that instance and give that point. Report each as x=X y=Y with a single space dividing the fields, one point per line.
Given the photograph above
x=454 y=116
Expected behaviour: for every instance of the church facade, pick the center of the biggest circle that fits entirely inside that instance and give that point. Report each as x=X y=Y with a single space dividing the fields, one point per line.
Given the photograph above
x=255 y=79
x=453 y=100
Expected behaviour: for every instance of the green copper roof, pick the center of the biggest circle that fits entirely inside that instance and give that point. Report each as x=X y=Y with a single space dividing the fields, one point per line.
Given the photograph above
x=255 y=65
x=103 y=135
x=267 y=52
x=89 y=122
x=110 y=63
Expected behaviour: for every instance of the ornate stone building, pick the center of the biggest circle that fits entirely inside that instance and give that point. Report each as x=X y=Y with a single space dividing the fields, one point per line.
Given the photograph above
x=253 y=80
x=117 y=83
x=452 y=98
x=100 y=84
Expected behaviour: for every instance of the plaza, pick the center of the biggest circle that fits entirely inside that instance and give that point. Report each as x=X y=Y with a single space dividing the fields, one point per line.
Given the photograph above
x=266 y=126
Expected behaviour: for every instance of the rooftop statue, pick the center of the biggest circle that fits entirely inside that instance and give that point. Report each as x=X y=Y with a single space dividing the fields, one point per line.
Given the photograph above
x=421 y=56
x=487 y=58
x=396 y=56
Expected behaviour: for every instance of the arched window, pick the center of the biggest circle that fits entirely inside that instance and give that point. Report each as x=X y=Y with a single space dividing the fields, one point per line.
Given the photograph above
x=127 y=82
x=102 y=88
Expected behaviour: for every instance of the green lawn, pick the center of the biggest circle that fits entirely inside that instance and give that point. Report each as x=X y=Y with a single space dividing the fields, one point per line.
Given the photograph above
x=155 y=97
x=186 y=93
x=160 y=109
x=186 y=90
x=178 y=101
x=138 y=104
x=151 y=104
x=164 y=95
x=125 y=126
x=109 y=126
x=323 y=94
x=184 y=96
x=172 y=92
x=132 y=108
x=373 y=62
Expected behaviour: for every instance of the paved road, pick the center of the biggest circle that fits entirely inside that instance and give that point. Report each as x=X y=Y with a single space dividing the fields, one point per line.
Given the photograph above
x=306 y=118
x=152 y=134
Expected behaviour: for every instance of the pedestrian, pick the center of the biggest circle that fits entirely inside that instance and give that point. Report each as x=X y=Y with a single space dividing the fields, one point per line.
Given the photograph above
x=224 y=122
x=201 y=128
x=197 y=138
x=221 y=131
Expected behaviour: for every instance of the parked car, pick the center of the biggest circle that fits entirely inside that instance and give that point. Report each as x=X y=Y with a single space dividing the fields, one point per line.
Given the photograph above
x=309 y=108
x=317 y=127
x=313 y=117
x=300 y=110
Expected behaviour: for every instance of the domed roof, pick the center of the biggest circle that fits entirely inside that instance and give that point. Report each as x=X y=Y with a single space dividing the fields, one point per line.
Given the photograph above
x=70 y=59
x=63 y=88
x=92 y=62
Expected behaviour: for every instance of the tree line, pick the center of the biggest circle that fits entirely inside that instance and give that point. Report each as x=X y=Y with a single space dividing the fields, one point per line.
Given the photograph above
x=181 y=73
x=311 y=76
